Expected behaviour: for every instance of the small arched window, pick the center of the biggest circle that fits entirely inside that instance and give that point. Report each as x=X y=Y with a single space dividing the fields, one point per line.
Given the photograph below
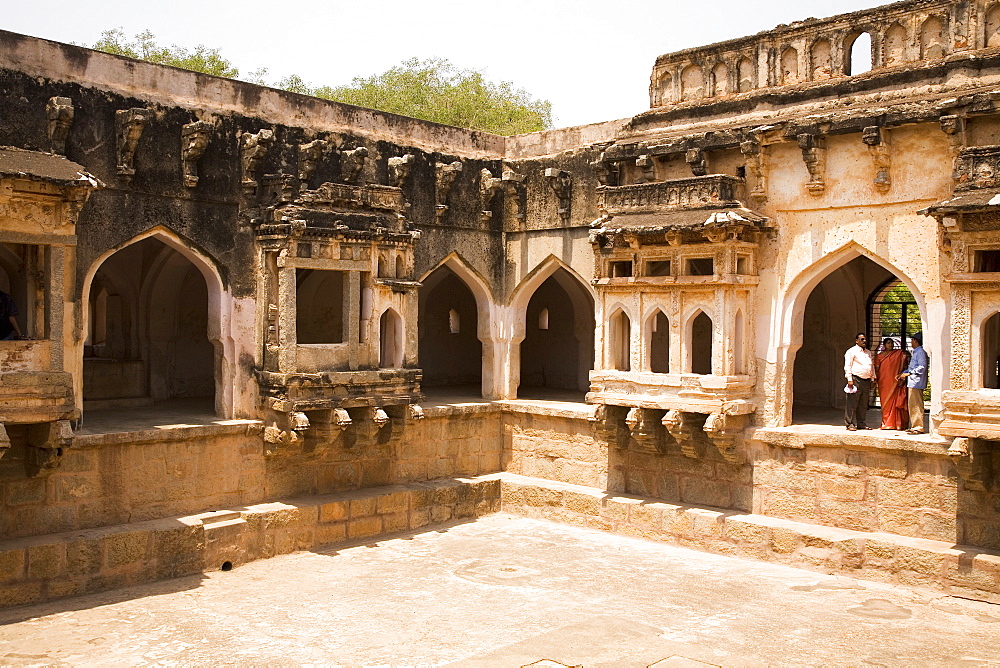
x=400 y=267
x=819 y=54
x=453 y=322
x=701 y=344
x=720 y=79
x=744 y=75
x=859 y=50
x=692 y=83
x=665 y=89
x=789 y=66
x=991 y=23
x=932 y=39
x=390 y=327
x=990 y=345
x=543 y=319
x=739 y=366
x=894 y=46
x=658 y=333
x=619 y=338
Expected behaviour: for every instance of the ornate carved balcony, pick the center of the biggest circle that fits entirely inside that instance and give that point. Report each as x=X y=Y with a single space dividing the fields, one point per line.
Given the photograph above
x=714 y=191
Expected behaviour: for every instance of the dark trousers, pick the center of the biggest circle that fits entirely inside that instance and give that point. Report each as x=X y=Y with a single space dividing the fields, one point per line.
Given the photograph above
x=856 y=409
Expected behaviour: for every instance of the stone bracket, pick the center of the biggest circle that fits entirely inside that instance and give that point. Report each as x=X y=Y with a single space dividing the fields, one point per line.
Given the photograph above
x=194 y=140
x=253 y=148
x=878 y=145
x=489 y=186
x=399 y=169
x=648 y=168
x=445 y=174
x=973 y=459
x=726 y=433
x=609 y=424
x=59 y=112
x=513 y=191
x=607 y=172
x=561 y=183
x=129 y=124
x=753 y=153
x=310 y=155
x=814 y=156
x=47 y=443
x=686 y=429
x=695 y=158
x=647 y=430
x=352 y=165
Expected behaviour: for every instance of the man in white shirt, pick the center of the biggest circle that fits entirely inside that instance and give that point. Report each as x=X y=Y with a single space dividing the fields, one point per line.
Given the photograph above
x=859 y=369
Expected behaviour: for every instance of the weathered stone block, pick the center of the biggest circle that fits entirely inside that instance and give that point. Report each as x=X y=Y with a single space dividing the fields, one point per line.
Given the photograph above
x=392 y=503
x=420 y=518
x=126 y=548
x=706 y=492
x=615 y=508
x=21 y=492
x=746 y=531
x=84 y=557
x=327 y=534
x=364 y=527
x=12 y=563
x=648 y=515
x=20 y=594
x=843 y=490
x=585 y=504
x=785 y=541
x=46 y=561
x=542 y=496
x=782 y=503
x=441 y=513
x=364 y=507
x=333 y=511
x=908 y=494
x=396 y=522
x=848 y=514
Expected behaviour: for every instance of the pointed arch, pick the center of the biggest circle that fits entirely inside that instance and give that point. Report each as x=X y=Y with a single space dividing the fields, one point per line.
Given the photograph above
x=620 y=336
x=390 y=339
x=562 y=355
x=789 y=337
x=473 y=280
x=894 y=46
x=991 y=26
x=656 y=335
x=699 y=329
x=164 y=270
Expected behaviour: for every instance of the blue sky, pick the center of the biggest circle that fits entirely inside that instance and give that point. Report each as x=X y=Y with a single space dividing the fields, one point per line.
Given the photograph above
x=590 y=59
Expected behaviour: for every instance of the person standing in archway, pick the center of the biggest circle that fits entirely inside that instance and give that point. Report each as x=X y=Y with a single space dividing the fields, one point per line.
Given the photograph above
x=891 y=390
x=9 y=329
x=916 y=382
x=859 y=370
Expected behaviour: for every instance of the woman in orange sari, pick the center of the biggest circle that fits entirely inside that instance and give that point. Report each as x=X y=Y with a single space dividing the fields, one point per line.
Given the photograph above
x=888 y=365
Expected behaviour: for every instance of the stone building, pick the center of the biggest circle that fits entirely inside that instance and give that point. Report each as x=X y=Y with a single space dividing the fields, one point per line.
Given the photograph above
x=261 y=322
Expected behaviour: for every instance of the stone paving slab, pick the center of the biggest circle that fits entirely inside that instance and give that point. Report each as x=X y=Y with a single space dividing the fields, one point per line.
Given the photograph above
x=505 y=591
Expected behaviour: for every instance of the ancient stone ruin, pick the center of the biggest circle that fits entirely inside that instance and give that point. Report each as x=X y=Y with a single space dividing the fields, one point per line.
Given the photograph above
x=246 y=334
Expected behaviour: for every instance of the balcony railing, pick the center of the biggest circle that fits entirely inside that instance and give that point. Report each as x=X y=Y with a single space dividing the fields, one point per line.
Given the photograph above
x=698 y=192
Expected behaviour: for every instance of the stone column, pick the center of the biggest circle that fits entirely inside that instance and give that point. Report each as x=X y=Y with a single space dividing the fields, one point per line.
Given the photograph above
x=352 y=318
x=286 y=318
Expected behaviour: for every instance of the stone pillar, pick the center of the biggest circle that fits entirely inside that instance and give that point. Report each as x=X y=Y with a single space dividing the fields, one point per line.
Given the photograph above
x=286 y=318
x=352 y=318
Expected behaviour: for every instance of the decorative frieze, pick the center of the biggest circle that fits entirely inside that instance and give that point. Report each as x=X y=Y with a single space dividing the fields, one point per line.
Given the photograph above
x=129 y=124
x=59 y=112
x=977 y=167
x=691 y=193
x=194 y=140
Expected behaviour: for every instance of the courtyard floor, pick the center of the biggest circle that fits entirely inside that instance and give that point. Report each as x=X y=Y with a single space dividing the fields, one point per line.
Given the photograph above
x=506 y=591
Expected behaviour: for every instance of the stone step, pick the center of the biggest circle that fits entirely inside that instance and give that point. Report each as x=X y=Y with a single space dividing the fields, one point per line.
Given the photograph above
x=959 y=570
x=41 y=568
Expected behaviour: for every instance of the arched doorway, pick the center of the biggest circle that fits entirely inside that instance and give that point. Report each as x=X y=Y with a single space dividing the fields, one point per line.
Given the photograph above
x=147 y=336
x=858 y=296
x=449 y=349
x=560 y=354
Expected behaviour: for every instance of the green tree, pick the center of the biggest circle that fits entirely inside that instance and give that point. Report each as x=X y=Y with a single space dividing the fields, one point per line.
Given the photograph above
x=432 y=89
x=144 y=47
x=436 y=90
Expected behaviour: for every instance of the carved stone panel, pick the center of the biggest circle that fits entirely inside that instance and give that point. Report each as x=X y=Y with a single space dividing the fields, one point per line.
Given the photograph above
x=352 y=164
x=254 y=147
x=444 y=177
x=561 y=183
x=489 y=186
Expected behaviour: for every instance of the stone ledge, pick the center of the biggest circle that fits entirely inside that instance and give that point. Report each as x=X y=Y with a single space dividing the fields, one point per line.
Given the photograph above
x=798 y=437
x=170 y=433
x=42 y=568
x=957 y=569
x=563 y=409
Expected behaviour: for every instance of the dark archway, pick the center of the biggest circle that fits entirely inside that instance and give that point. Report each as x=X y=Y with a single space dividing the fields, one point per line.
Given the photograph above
x=449 y=348
x=147 y=337
x=702 y=333
x=558 y=350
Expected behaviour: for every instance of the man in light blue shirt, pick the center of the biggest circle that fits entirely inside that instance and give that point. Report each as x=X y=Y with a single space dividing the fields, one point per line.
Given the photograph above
x=916 y=382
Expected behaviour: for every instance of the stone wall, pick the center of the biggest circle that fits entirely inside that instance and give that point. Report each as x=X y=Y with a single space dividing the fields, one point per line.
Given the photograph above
x=908 y=493
x=108 y=479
